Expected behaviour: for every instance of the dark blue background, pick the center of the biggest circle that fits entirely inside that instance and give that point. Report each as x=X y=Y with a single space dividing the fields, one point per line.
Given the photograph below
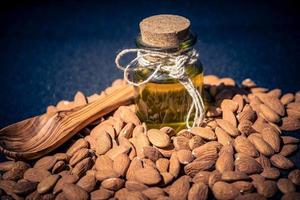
x=49 y=50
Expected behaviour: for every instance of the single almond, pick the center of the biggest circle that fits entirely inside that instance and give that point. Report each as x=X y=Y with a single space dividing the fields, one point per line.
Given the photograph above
x=222 y=190
x=229 y=105
x=269 y=114
x=272 y=102
x=290 y=124
x=248 y=165
x=72 y=191
x=229 y=116
x=158 y=138
x=271 y=173
x=232 y=176
x=87 y=182
x=205 y=133
x=162 y=164
x=285 y=185
x=243 y=145
x=228 y=127
x=281 y=162
x=121 y=164
x=198 y=191
x=185 y=156
x=270 y=136
x=47 y=184
x=223 y=137
x=294 y=176
x=261 y=145
x=180 y=188
x=112 y=183
x=148 y=176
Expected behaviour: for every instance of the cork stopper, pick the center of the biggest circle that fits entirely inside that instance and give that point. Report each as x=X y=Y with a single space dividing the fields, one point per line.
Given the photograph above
x=164 y=31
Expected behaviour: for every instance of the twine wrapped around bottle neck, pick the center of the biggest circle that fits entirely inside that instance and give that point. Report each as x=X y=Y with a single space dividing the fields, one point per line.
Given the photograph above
x=174 y=65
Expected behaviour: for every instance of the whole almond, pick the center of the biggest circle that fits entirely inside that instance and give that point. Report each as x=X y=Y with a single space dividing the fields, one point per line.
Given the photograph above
x=213 y=145
x=174 y=167
x=290 y=124
x=288 y=149
x=150 y=176
x=229 y=105
x=271 y=173
x=185 y=156
x=47 y=184
x=228 y=127
x=281 y=162
x=294 y=176
x=121 y=164
x=36 y=174
x=223 y=137
x=180 y=188
x=293 y=113
x=194 y=167
x=46 y=162
x=112 y=184
x=206 y=133
x=158 y=138
x=225 y=162
x=198 y=191
x=72 y=192
x=248 y=165
x=222 y=190
x=104 y=143
x=269 y=114
x=243 y=145
x=58 y=167
x=128 y=116
x=262 y=146
x=87 y=182
x=270 y=136
x=285 y=185
x=229 y=116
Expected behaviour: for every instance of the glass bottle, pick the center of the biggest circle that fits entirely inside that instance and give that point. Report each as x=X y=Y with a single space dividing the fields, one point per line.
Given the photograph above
x=163 y=100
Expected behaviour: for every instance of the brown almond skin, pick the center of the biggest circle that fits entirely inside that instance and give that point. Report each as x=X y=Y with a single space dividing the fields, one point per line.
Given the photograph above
x=148 y=176
x=266 y=188
x=180 y=188
x=185 y=156
x=154 y=192
x=47 y=184
x=135 y=186
x=202 y=177
x=243 y=145
x=269 y=114
x=222 y=190
x=285 y=185
x=162 y=164
x=112 y=183
x=36 y=175
x=262 y=146
x=198 y=191
x=288 y=149
x=281 y=162
x=271 y=173
x=158 y=138
x=121 y=164
x=87 y=182
x=46 y=162
x=291 y=196
x=206 y=133
x=228 y=127
x=294 y=176
x=74 y=192
x=243 y=186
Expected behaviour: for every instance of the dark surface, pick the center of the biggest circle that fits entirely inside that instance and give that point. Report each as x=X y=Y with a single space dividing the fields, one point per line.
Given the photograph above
x=50 y=50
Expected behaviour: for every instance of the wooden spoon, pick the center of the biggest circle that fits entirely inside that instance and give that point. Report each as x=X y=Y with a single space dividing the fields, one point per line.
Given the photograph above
x=37 y=136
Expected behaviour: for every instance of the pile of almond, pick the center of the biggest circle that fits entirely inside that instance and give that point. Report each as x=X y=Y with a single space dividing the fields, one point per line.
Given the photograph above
x=240 y=152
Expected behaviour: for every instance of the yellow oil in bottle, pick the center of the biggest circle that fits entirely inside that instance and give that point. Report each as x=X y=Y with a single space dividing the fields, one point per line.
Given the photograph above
x=164 y=101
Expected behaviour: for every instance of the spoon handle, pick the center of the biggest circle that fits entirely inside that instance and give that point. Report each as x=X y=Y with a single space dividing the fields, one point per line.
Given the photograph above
x=51 y=130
